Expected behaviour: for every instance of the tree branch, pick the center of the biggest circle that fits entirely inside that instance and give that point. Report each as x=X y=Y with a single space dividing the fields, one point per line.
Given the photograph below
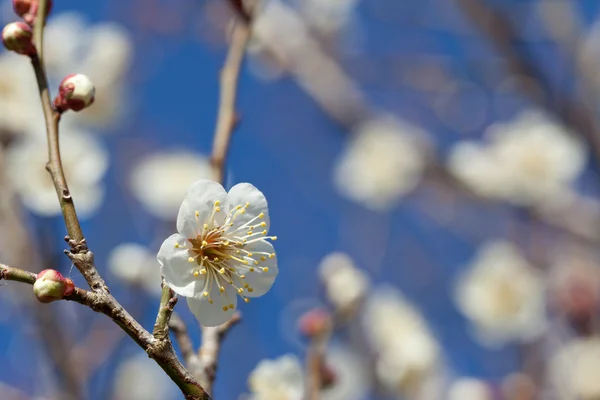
x=159 y=350
x=227 y=118
x=165 y=310
x=212 y=338
x=182 y=338
x=99 y=299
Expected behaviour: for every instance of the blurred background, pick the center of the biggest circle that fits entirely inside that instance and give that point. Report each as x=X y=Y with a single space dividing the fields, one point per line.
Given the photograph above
x=432 y=174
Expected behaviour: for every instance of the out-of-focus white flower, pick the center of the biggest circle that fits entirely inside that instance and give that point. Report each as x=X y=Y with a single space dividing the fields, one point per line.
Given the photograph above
x=328 y=16
x=345 y=284
x=284 y=379
x=573 y=371
x=527 y=161
x=103 y=52
x=19 y=101
x=134 y=264
x=139 y=378
x=221 y=250
x=383 y=161
x=408 y=354
x=469 y=389
x=502 y=295
x=351 y=380
x=279 y=379
x=84 y=160
x=160 y=180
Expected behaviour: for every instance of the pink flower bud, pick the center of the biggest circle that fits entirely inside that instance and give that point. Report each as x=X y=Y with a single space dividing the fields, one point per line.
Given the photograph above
x=51 y=285
x=17 y=37
x=315 y=322
x=75 y=92
x=28 y=9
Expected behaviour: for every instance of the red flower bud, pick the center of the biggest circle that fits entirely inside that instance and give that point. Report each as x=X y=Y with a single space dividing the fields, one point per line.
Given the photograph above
x=51 y=285
x=28 y=9
x=17 y=37
x=75 y=92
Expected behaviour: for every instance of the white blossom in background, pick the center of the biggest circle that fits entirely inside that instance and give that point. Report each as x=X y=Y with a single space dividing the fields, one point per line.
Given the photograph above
x=84 y=160
x=102 y=51
x=502 y=295
x=573 y=370
x=140 y=378
x=345 y=284
x=159 y=181
x=284 y=377
x=408 y=355
x=328 y=16
x=279 y=379
x=19 y=101
x=469 y=389
x=134 y=264
x=383 y=161
x=221 y=250
x=531 y=160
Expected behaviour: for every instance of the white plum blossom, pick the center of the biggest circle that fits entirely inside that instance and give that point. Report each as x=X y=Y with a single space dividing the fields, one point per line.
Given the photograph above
x=221 y=250
x=19 y=100
x=502 y=295
x=284 y=378
x=328 y=16
x=469 y=389
x=134 y=264
x=408 y=356
x=75 y=92
x=383 y=162
x=531 y=160
x=345 y=284
x=84 y=160
x=160 y=180
x=279 y=379
x=139 y=378
x=573 y=370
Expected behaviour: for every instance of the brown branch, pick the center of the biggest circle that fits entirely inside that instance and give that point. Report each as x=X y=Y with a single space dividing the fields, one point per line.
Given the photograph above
x=182 y=338
x=212 y=338
x=227 y=118
x=159 y=350
x=99 y=299
x=165 y=310
x=315 y=365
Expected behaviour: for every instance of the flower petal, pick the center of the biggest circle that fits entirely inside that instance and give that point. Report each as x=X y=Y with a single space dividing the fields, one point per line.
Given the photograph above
x=259 y=281
x=177 y=270
x=219 y=311
x=201 y=197
x=243 y=193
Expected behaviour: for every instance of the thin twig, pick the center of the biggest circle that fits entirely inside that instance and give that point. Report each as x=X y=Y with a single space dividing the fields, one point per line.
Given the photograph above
x=227 y=118
x=212 y=338
x=182 y=338
x=315 y=365
x=165 y=310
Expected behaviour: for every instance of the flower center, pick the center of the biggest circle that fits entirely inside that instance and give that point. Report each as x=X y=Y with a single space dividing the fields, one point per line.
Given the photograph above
x=221 y=251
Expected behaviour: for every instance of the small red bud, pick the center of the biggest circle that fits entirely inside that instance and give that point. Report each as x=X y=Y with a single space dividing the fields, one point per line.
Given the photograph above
x=75 y=92
x=50 y=285
x=315 y=322
x=28 y=9
x=17 y=37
